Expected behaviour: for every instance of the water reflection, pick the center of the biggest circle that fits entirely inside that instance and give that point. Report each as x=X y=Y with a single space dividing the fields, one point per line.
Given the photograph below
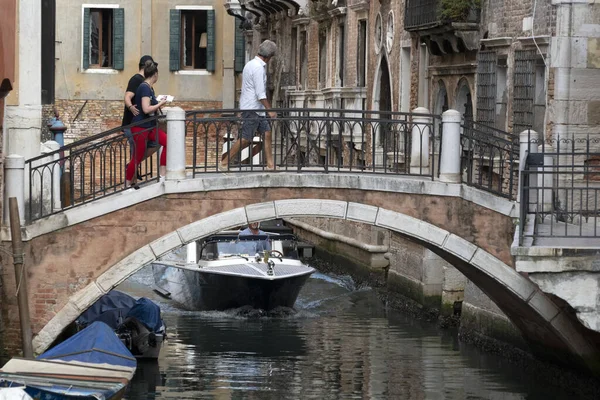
x=342 y=343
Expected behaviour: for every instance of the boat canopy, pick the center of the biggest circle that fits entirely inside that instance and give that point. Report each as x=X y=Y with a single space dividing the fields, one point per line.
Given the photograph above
x=148 y=313
x=96 y=344
x=111 y=308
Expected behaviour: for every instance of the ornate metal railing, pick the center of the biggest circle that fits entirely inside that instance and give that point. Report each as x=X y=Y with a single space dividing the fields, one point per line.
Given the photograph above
x=560 y=189
x=319 y=140
x=490 y=159
x=304 y=140
x=83 y=171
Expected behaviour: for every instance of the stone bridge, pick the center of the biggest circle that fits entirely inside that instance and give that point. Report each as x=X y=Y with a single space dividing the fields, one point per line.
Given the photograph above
x=76 y=252
x=75 y=256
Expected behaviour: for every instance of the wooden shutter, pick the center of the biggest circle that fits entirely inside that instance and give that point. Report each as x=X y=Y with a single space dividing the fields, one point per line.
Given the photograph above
x=210 y=42
x=119 y=38
x=523 y=90
x=174 y=40
x=86 y=38
x=487 y=63
x=240 y=50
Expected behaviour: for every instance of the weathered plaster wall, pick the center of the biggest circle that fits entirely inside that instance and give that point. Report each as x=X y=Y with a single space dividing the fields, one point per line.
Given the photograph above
x=146 y=32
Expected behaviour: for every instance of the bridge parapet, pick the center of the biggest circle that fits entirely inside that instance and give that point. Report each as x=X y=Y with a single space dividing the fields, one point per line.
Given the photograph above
x=558 y=241
x=414 y=144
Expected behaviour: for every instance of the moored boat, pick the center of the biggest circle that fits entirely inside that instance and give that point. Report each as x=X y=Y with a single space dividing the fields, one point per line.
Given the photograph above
x=138 y=323
x=232 y=271
x=92 y=364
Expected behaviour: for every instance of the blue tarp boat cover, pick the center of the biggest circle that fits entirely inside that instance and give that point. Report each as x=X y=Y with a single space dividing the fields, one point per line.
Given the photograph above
x=148 y=313
x=111 y=308
x=96 y=344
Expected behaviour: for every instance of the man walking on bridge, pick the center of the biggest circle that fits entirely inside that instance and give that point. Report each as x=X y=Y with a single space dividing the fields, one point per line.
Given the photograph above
x=253 y=102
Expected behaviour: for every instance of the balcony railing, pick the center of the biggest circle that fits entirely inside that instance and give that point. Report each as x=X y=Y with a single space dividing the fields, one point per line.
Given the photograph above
x=421 y=13
x=424 y=14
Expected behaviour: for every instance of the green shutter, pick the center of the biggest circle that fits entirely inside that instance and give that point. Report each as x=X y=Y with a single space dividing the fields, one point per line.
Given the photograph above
x=210 y=42
x=86 y=38
x=240 y=49
x=174 y=40
x=119 y=38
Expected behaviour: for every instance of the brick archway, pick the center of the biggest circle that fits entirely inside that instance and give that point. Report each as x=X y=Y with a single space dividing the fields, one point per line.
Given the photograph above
x=75 y=256
x=542 y=323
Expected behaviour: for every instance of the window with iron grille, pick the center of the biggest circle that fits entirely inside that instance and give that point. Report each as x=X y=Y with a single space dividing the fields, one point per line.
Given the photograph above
x=486 y=87
x=524 y=90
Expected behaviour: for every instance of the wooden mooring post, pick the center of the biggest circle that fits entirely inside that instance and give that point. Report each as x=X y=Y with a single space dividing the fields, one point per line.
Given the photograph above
x=20 y=277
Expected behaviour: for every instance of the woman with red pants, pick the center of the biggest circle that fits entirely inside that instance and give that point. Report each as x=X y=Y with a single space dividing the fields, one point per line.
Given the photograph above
x=148 y=105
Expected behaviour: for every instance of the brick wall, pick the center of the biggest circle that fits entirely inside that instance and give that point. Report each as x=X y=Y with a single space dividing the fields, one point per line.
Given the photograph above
x=501 y=18
x=95 y=116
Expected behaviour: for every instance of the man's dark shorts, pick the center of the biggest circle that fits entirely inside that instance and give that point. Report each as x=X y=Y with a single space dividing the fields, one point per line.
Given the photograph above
x=253 y=123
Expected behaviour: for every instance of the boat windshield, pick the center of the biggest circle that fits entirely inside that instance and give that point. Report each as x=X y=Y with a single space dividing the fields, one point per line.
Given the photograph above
x=245 y=248
x=212 y=250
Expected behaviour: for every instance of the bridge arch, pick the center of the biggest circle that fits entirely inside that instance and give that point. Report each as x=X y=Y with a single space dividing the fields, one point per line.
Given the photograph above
x=542 y=323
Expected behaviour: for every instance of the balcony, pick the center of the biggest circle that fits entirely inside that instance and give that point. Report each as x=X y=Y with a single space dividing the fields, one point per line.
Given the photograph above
x=447 y=26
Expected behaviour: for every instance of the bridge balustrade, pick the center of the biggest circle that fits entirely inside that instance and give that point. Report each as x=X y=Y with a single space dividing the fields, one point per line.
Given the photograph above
x=304 y=140
x=560 y=194
x=489 y=159
x=83 y=171
x=322 y=140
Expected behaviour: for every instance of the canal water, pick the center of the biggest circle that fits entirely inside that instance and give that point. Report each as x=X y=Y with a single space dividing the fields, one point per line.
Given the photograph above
x=341 y=343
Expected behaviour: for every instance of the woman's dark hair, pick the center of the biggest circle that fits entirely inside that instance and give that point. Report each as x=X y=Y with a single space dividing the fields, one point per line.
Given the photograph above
x=150 y=69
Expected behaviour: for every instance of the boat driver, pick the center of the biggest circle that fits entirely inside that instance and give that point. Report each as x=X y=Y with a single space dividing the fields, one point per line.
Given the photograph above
x=253 y=229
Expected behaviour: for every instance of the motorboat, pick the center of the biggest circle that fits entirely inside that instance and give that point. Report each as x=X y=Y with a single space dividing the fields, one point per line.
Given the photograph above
x=92 y=364
x=230 y=270
x=137 y=323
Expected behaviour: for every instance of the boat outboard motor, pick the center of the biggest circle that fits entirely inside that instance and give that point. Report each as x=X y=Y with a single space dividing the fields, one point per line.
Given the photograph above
x=140 y=336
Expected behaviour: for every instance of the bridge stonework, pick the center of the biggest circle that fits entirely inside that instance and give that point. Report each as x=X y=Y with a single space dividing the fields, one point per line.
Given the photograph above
x=74 y=257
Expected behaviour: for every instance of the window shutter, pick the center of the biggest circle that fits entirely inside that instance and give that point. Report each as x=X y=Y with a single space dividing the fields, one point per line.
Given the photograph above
x=86 y=38
x=119 y=38
x=523 y=90
x=174 y=40
x=240 y=50
x=486 y=87
x=210 y=42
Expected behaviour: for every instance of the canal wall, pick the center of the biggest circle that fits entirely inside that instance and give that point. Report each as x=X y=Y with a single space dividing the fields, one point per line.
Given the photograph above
x=408 y=270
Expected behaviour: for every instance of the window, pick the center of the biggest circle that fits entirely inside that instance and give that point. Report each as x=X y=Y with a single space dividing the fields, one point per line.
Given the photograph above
x=303 y=60
x=322 y=57
x=240 y=49
x=405 y=79
x=340 y=56
x=294 y=53
x=361 y=65
x=103 y=38
x=192 y=39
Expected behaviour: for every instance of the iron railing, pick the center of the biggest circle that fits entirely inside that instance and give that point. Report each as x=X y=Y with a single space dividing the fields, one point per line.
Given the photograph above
x=304 y=140
x=87 y=170
x=426 y=14
x=319 y=140
x=560 y=193
x=490 y=159
x=421 y=13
